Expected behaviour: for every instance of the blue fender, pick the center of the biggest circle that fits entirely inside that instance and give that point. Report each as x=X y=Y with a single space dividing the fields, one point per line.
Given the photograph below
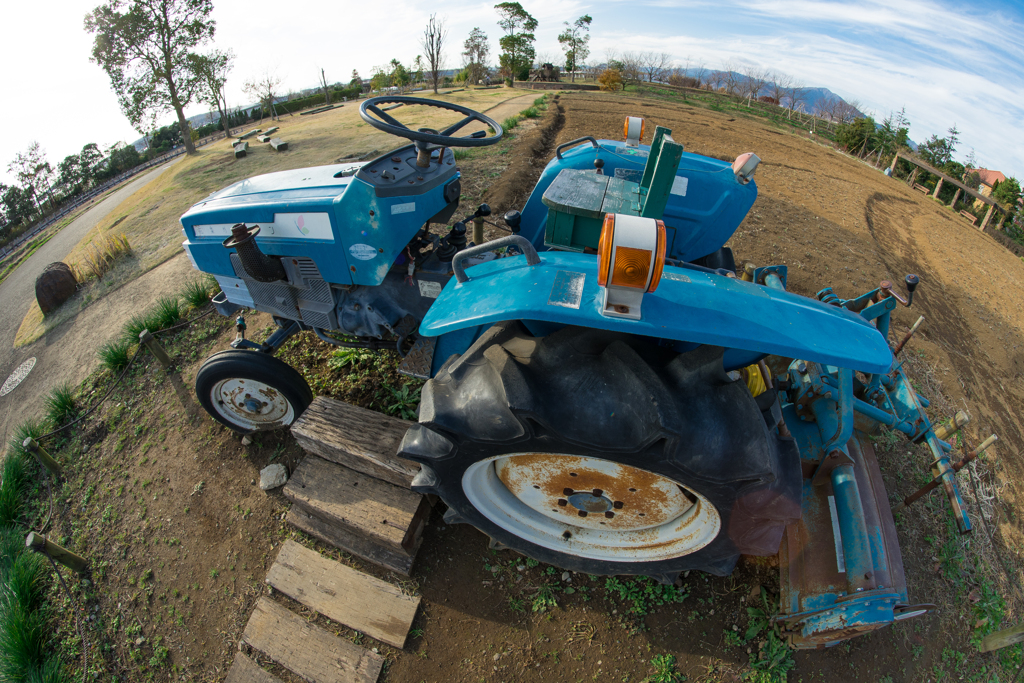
x=689 y=305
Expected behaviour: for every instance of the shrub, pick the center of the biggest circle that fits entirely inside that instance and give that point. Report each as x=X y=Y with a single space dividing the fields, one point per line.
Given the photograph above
x=60 y=404
x=610 y=80
x=510 y=123
x=100 y=256
x=167 y=313
x=196 y=292
x=530 y=113
x=115 y=355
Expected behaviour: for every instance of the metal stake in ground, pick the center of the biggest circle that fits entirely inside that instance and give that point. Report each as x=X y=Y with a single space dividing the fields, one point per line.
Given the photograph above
x=44 y=458
x=41 y=544
x=154 y=347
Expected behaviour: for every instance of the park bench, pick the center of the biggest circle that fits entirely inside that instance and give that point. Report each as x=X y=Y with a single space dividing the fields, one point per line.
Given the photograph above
x=922 y=188
x=240 y=149
x=278 y=144
x=969 y=216
x=579 y=199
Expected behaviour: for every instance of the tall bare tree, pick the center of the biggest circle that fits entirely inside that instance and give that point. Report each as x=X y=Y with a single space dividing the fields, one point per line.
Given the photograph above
x=778 y=86
x=700 y=73
x=33 y=171
x=795 y=97
x=655 y=65
x=145 y=46
x=632 y=66
x=265 y=89
x=755 y=78
x=323 y=84
x=434 y=37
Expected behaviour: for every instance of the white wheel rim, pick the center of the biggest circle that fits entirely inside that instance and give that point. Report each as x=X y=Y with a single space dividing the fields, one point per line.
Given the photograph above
x=252 y=405
x=539 y=497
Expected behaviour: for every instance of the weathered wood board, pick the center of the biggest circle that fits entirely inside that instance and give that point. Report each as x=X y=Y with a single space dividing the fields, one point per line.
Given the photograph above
x=278 y=144
x=270 y=131
x=307 y=649
x=349 y=597
x=363 y=440
x=381 y=512
x=364 y=549
x=263 y=138
x=244 y=670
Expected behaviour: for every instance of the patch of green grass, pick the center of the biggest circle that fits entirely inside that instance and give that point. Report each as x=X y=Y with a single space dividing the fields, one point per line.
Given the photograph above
x=115 y=355
x=510 y=123
x=60 y=404
x=344 y=357
x=196 y=292
x=530 y=113
x=167 y=312
x=664 y=670
x=16 y=471
x=462 y=153
x=540 y=101
x=545 y=598
x=644 y=593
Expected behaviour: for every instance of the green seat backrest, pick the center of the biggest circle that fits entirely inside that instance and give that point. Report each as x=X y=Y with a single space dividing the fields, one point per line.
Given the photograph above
x=659 y=173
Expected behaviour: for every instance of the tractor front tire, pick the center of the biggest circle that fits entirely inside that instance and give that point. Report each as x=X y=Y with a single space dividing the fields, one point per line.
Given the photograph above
x=604 y=453
x=251 y=391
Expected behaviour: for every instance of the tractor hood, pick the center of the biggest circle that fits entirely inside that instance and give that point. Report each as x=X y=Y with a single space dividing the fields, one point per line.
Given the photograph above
x=320 y=184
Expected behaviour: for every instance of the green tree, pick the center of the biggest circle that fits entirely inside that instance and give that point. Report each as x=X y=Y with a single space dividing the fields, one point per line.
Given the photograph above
x=399 y=75
x=33 y=171
x=69 y=174
x=474 y=54
x=213 y=72
x=858 y=136
x=147 y=49
x=575 y=40
x=16 y=204
x=1007 y=192
x=90 y=156
x=517 y=43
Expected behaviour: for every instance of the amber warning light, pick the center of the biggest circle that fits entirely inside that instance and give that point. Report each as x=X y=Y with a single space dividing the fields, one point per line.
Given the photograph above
x=631 y=258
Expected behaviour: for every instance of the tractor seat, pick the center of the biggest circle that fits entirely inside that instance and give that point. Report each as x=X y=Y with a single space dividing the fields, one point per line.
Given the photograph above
x=578 y=200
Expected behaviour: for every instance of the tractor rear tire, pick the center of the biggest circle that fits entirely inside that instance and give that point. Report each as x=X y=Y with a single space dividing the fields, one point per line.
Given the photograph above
x=604 y=453
x=251 y=391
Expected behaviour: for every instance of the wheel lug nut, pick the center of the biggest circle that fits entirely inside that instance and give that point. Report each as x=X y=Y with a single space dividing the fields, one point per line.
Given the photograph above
x=609 y=514
x=617 y=505
x=581 y=513
x=563 y=502
x=567 y=492
x=598 y=493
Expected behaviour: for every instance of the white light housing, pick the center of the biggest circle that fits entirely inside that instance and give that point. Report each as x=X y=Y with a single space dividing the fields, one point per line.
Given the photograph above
x=744 y=167
x=633 y=130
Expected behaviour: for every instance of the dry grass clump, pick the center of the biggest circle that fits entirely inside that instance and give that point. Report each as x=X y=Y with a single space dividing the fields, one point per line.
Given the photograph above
x=100 y=256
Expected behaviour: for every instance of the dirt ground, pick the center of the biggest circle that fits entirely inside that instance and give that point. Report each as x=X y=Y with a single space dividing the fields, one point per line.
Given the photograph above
x=164 y=500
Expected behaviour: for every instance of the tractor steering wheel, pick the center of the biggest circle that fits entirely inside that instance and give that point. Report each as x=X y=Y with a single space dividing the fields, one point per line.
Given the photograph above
x=424 y=137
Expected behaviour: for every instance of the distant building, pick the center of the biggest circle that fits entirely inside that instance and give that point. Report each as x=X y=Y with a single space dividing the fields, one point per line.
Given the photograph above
x=988 y=179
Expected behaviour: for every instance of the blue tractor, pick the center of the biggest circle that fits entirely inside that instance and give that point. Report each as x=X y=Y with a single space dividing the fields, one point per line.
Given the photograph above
x=606 y=392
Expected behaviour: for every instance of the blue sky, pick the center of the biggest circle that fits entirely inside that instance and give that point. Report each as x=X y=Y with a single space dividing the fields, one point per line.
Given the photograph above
x=946 y=63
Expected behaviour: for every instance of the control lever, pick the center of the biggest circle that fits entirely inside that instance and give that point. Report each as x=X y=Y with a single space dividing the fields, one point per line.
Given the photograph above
x=478 y=223
x=886 y=290
x=512 y=219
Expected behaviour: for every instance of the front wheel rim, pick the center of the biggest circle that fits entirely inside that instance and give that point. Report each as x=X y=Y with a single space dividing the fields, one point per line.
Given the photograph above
x=251 y=405
x=632 y=515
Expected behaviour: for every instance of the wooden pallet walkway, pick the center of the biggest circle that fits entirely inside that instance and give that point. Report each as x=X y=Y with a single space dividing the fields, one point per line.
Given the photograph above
x=348 y=596
x=308 y=650
x=360 y=439
x=244 y=670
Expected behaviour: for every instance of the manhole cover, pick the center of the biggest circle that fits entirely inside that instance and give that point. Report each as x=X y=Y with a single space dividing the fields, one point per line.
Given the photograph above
x=20 y=373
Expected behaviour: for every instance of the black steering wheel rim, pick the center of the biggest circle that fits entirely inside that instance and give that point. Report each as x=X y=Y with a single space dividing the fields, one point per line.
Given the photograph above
x=373 y=115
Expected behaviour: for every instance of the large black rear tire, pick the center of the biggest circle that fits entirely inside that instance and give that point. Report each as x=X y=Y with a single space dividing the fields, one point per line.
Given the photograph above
x=670 y=459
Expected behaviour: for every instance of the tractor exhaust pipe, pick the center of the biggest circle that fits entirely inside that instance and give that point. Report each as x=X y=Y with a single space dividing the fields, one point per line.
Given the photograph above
x=256 y=264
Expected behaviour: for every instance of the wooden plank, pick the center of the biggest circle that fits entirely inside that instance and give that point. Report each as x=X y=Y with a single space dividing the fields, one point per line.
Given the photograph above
x=270 y=131
x=244 y=670
x=279 y=144
x=381 y=512
x=263 y=138
x=1001 y=639
x=307 y=649
x=400 y=563
x=347 y=596
x=622 y=196
x=577 y=192
x=360 y=439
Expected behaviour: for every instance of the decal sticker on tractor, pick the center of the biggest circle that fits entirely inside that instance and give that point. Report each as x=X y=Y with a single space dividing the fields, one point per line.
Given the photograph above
x=363 y=252
x=403 y=208
x=429 y=288
x=567 y=290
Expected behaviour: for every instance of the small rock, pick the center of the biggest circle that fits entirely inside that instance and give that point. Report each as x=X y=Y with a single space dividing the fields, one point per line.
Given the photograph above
x=273 y=476
x=252 y=481
x=246 y=441
x=565 y=576
x=496 y=657
x=140 y=641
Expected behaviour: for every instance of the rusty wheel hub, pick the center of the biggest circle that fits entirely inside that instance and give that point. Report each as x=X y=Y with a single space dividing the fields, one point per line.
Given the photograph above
x=591 y=507
x=252 y=405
